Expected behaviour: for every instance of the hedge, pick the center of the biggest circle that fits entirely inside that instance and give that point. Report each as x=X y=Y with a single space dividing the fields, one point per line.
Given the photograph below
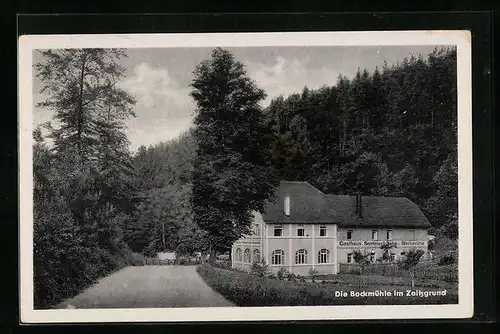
x=245 y=289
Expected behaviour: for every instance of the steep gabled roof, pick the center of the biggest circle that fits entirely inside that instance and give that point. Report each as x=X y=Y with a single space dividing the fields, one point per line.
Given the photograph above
x=310 y=205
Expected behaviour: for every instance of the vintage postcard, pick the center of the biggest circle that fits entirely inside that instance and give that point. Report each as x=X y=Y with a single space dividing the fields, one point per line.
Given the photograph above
x=245 y=176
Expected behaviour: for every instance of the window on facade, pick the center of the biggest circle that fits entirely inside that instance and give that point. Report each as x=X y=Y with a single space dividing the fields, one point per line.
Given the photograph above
x=349 y=258
x=278 y=230
x=256 y=229
x=322 y=231
x=246 y=255
x=323 y=256
x=301 y=256
x=392 y=256
x=238 y=255
x=256 y=255
x=349 y=234
x=301 y=231
x=372 y=257
x=389 y=234
x=278 y=257
x=374 y=235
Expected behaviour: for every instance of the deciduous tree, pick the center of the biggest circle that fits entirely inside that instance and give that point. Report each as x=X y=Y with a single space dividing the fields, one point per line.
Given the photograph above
x=232 y=175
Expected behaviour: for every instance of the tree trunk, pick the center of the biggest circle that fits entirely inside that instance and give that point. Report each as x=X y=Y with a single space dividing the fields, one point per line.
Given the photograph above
x=213 y=255
x=412 y=275
x=163 y=234
x=80 y=110
x=344 y=135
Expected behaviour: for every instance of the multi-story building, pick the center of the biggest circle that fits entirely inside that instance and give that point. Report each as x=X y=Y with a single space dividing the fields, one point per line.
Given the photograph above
x=303 y=229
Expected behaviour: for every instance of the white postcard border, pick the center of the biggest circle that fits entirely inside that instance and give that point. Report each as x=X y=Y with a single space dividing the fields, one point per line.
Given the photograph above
x=461 y=39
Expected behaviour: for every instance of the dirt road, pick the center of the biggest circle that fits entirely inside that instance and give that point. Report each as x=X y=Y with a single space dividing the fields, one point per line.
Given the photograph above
x=148 y=287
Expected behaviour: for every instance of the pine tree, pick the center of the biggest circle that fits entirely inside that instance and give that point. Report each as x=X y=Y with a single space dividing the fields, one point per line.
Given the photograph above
x=82 y=91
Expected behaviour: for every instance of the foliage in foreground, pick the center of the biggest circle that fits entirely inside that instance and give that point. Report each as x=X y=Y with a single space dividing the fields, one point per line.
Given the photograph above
x=84 y=184
x=245 y=289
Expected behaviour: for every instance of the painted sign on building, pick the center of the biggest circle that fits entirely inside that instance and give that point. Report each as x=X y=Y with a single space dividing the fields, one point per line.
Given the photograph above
x=378 y=243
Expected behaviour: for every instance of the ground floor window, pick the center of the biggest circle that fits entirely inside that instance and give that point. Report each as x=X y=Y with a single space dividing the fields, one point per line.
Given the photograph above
x=238 y=255
x=256 y=255
x=323 y=256
x=278 y=257
x=301 y=256
x=349 y=258
x=392 y=256
x=372 y=257
x=246 y=255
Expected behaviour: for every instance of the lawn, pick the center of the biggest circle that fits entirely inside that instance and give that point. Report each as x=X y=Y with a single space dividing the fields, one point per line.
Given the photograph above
x=245 y=289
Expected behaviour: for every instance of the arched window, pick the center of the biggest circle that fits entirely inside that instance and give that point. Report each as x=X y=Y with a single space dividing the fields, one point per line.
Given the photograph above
x=301 y=256
x=256 y=255
x=278 y=257
x=238 y=254
x=324 y=256
x=246 y=255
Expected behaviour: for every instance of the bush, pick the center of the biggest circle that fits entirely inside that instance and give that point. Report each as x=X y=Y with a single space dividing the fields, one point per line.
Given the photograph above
x=245 y=289
x=312 y=272
x=447 y=260
x=282 y=273
x=260 y=268
x=450 y=230
x=224 y=264
x=76 y=232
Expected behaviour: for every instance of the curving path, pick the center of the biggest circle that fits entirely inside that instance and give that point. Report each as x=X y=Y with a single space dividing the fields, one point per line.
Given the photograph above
x=148 y=287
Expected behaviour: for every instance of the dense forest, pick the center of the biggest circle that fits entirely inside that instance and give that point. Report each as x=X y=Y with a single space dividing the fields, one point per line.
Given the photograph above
x=98 y=207
x=390 y=132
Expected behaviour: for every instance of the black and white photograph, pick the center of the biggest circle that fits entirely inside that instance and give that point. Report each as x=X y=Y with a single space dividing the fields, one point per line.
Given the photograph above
x=270 y=176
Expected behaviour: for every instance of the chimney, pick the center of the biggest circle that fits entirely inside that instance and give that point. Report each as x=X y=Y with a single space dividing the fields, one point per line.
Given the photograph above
x=287 y=205
x=359 y=205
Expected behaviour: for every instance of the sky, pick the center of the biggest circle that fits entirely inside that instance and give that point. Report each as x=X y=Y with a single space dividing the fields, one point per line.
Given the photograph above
x=159 y=79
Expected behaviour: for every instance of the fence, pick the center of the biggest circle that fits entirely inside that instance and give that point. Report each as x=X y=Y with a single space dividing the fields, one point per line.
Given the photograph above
x=178 y=261
x=448 y=273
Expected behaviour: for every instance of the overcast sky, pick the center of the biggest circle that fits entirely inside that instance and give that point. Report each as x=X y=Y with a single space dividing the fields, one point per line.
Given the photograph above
x=159 y=79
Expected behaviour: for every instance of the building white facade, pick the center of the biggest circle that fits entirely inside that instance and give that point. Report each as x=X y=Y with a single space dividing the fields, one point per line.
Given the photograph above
x=314 y=235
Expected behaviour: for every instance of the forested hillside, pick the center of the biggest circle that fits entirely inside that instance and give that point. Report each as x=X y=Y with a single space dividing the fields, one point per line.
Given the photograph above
x=390 y=132
x=164 y=219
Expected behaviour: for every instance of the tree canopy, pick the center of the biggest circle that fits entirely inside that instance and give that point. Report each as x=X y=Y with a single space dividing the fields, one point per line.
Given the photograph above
x=232 y=173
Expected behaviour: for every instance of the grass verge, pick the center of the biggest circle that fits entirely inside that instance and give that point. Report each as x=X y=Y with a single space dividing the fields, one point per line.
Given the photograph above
x=245 y=289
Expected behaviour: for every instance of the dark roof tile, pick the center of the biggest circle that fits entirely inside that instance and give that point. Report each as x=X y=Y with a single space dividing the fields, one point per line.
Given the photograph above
x=310 y=205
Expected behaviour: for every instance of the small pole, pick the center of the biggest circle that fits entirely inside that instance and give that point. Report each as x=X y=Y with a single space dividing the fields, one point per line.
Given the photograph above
x=163 y=233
